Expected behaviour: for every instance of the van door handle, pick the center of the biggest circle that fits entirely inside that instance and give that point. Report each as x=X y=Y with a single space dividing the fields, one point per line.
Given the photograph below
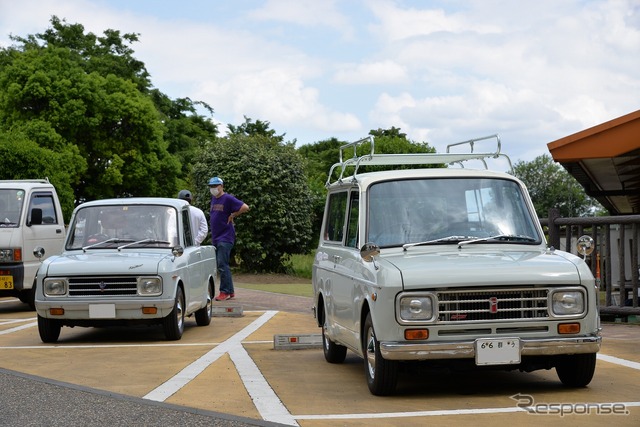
x=337 y=258
x=58 y=231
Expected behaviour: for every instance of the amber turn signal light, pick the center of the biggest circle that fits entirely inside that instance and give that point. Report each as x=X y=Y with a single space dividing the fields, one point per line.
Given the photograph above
x=569 y=328
x=416 y=334
x=149 y=310
x=56 y=311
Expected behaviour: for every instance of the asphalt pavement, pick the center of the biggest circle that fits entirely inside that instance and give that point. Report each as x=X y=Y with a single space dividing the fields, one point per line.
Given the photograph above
x=27 y=400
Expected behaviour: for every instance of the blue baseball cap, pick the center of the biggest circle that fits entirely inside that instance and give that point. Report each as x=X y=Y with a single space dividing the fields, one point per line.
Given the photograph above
x=216 y=181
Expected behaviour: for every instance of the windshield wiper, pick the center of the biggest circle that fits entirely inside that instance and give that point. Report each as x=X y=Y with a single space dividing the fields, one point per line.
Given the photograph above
x=448 y=239
x=139 y=242
x=505 y=237
x=111 y=240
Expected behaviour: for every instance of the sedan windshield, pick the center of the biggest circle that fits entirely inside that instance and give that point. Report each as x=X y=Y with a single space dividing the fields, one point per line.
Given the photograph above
x=122 y=226
x=448 y=211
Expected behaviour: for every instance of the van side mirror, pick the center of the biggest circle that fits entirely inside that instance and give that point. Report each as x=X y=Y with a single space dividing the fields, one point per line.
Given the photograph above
x=369 y=251
x=36 y=217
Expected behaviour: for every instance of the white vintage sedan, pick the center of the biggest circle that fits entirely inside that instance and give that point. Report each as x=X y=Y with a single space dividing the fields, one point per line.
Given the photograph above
x=127 y=261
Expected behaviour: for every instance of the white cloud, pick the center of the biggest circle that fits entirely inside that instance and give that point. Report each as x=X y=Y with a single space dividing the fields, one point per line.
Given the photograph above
x=382 y=72
x=305 y=13
x=532 y=70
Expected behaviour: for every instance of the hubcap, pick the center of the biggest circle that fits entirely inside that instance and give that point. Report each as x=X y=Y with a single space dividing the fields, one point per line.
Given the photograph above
x=325 y=340
x=179 y=315
x=371 y=352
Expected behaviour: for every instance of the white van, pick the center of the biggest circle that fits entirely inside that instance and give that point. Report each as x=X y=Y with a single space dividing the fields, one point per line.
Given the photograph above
x=449 y=267
x=30 y=221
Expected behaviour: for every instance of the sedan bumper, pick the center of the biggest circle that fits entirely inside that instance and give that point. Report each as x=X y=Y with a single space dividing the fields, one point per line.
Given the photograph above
x=100 y=309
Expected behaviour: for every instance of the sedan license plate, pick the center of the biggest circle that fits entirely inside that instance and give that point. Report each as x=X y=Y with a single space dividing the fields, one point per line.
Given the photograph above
x=102 y=311
x=497 y=351
x=6 y=282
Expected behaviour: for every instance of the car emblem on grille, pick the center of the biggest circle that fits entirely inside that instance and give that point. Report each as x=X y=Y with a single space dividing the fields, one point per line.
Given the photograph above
x=493 y=305
x=102 y=286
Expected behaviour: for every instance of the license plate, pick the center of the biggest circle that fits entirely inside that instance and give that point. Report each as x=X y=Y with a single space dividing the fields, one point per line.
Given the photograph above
x=6 y=282
x=497 y=351
x=102 y=311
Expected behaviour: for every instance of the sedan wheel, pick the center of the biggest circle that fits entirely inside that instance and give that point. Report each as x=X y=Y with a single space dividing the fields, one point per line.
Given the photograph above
x=173 y=324
x=49 y=329
x=203 y=316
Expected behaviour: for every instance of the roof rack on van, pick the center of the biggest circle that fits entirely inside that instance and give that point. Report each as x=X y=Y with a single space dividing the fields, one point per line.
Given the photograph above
x=37 y=180
x=373 y=159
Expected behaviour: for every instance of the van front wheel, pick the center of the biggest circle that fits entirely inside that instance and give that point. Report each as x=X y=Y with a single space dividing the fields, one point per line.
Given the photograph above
x=382 y=374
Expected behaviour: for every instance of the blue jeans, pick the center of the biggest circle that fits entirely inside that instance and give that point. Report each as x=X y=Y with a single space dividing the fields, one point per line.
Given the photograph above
x=223 y=253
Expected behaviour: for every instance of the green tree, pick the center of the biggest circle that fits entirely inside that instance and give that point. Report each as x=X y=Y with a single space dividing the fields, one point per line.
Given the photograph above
x=66 y=88
x=270 y=177
x=185 y=131
x=550 y=186
x=28 y=160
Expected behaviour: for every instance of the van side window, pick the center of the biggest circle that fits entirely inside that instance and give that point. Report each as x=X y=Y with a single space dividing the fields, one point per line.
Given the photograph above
x=352 y=224
x=334 y=226
x=44 y=202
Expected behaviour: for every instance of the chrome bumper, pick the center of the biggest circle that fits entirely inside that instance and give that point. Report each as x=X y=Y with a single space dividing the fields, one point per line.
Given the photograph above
x=466 y=349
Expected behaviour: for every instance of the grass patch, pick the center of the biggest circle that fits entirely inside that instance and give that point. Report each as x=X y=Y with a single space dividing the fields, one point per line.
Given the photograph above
x=300 y=265
x=299 y=289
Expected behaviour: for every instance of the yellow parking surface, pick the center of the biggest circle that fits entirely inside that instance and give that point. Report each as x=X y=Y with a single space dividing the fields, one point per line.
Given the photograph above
x=231 y=366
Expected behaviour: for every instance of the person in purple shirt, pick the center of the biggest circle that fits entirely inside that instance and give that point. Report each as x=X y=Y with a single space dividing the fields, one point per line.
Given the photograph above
x=224 y=209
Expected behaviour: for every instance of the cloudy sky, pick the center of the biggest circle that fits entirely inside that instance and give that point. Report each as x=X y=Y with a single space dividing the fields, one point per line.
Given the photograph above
x=444 y=71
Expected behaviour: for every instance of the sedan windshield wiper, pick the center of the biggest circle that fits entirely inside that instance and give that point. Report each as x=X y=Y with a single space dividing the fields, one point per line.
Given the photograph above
x=505 y=237
x=448 y=239
x=139 y=242
x=111 y=240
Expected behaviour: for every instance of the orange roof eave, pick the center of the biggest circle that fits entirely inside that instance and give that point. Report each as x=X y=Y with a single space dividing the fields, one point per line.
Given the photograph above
x=607 y=140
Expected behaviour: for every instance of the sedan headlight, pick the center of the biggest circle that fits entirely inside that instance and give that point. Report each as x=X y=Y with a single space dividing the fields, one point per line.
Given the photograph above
x=149 y=286
x=415 y=308
x=54 y=287
x=565 y=302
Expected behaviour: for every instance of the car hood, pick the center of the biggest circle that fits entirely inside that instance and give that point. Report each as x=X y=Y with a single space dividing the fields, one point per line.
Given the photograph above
x=100 y=263
x=464 y=267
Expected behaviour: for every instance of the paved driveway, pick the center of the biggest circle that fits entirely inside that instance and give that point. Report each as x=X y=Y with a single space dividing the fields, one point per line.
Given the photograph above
x=230 y=374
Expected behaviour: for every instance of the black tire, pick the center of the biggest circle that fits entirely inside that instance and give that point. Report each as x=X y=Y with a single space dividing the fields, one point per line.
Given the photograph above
x=382 y=375
x=49 y=329
x=333 y=353
x=203 y=316
x=27 y=296
x=576 y=370
x=173 y=324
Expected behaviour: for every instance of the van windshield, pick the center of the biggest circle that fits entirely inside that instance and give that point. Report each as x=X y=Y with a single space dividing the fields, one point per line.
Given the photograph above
x=435 y=210
x=11 y=202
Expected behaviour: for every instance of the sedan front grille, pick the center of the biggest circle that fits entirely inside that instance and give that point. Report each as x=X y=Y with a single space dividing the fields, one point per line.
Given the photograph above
x=495 y=304
x=103 y=286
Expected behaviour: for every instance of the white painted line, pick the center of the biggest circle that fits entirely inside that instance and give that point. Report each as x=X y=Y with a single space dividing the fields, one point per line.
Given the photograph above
x=7 y=321
x=618 y=361
x=264 y=398
x=18 y=328
x=64 y=346
x=182 y=378
x=431 y=413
